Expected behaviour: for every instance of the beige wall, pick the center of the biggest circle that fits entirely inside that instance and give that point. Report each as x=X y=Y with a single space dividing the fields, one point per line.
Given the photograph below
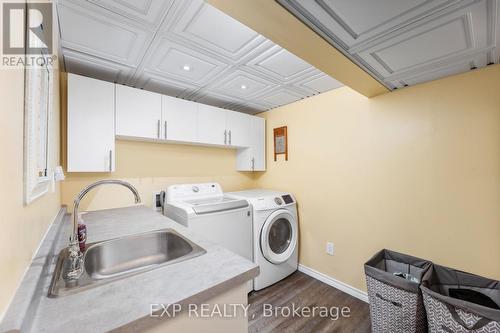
x=416 y=170
x=21 y=228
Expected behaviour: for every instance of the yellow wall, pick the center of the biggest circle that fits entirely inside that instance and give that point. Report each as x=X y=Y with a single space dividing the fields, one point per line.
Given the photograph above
x=417 y=171
x=21 y=228
x=154 y=166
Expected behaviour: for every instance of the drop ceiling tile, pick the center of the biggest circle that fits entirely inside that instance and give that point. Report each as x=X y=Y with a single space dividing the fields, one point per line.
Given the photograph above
x=445 y=70
x=79 y=63
x=421 y=47
x=244 y=85
x=254 y=108
x=245 y=108
x=173 y=60
x=186 y=49
x=399 y=40
x=352 y=22
x=280 y=64
x=212 y=98
x=207 y=28
x=91 y=30
x=320 y=83
x=148 y=12
x=280 y=97
x=163 y=85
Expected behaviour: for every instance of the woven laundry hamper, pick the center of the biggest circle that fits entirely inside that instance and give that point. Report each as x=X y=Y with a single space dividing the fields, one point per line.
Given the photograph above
x=447 y=314
x=396 y=304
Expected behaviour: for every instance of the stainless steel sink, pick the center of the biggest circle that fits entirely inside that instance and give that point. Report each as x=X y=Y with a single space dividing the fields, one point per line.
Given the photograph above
x=117 y=258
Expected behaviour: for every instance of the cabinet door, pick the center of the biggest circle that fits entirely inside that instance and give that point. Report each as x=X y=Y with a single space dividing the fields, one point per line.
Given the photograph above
x=211 y=125
x=179 y=119
x=91 y=125
x=138 y=113
x=258 y=140
x=253 y=158
x=238 y=125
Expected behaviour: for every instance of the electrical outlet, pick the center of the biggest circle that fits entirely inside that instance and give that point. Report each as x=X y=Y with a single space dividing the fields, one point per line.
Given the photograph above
x=156 y=201
x=329 y=248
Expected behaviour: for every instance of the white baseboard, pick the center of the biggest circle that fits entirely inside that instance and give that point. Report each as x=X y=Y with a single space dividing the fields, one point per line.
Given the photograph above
x=334 y=283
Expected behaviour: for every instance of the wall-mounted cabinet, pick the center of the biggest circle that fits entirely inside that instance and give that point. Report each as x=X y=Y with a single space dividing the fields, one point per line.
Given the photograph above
x=253 y=158
x=222 y=127
x=138 y=113
x=144 y=115
x=91 y=125
x=179 y=119
x=238 y=127
x=212 y=125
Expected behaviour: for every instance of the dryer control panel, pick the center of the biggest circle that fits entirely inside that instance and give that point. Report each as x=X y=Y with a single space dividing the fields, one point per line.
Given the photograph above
x=273 y=202
x=287 y=198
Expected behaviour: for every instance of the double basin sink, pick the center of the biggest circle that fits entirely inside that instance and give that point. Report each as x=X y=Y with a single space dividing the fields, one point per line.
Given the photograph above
x=121 y=257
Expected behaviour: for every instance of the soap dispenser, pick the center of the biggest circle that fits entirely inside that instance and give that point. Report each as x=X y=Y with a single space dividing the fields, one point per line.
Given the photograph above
x=82 y=232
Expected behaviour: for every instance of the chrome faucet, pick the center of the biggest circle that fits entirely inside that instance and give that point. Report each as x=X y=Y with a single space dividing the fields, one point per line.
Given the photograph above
x=75 y=268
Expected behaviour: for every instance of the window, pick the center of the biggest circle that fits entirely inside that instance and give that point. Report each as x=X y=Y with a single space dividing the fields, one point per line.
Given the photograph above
x=38 y=94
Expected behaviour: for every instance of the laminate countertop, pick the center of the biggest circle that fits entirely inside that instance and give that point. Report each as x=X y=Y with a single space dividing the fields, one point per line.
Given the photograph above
x=122 y=302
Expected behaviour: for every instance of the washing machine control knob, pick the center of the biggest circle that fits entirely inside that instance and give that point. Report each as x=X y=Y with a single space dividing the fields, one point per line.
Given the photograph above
x=278 y=201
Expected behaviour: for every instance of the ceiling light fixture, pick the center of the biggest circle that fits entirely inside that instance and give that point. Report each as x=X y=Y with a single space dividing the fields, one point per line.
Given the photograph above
x=187 y=68
x=243 y=86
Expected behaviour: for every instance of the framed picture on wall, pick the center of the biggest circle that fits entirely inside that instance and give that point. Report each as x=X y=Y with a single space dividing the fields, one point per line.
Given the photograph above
x=280 y=142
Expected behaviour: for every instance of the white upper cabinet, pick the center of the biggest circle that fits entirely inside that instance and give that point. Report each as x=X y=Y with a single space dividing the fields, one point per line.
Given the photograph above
x=253 y=158
x=179 y=119
x=258 y=143
x=98 y=111
x=212 y=125
x=238 y=129
x=138 y=113
x=91 y=125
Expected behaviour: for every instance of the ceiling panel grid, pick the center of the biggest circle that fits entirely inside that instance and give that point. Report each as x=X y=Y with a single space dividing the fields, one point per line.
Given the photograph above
x=405 y=42
x=186 y=49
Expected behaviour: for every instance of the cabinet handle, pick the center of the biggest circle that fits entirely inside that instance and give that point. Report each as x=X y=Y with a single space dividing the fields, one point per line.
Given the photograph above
x=158 y=129
x=110 y=160
x=229 y=137
x=165 y=130
x=225 y=137
x=253 y=164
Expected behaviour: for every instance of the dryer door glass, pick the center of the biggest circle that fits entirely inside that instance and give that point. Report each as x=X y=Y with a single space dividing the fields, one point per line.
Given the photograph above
x=280 y=235
x=278 y=238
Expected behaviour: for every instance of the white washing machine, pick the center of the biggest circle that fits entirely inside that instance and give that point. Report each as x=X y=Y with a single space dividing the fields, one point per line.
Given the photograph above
x=275 y=234
x=205 y=210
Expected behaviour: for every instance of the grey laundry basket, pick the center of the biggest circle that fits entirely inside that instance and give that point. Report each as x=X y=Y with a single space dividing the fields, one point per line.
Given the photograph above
x=446 y=314
x=396 y=304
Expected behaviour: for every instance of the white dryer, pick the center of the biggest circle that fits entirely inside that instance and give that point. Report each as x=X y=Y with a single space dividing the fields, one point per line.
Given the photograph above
x=204 y=209
x=275 y=234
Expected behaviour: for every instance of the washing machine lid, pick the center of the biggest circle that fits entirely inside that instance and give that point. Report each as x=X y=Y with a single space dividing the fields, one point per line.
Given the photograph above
x=202 y=198
x=216 y=204
x=278 y=236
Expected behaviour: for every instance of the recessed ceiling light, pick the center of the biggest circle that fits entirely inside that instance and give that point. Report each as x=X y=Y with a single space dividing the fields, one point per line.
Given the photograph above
x=187 y=68
x=243 y=86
